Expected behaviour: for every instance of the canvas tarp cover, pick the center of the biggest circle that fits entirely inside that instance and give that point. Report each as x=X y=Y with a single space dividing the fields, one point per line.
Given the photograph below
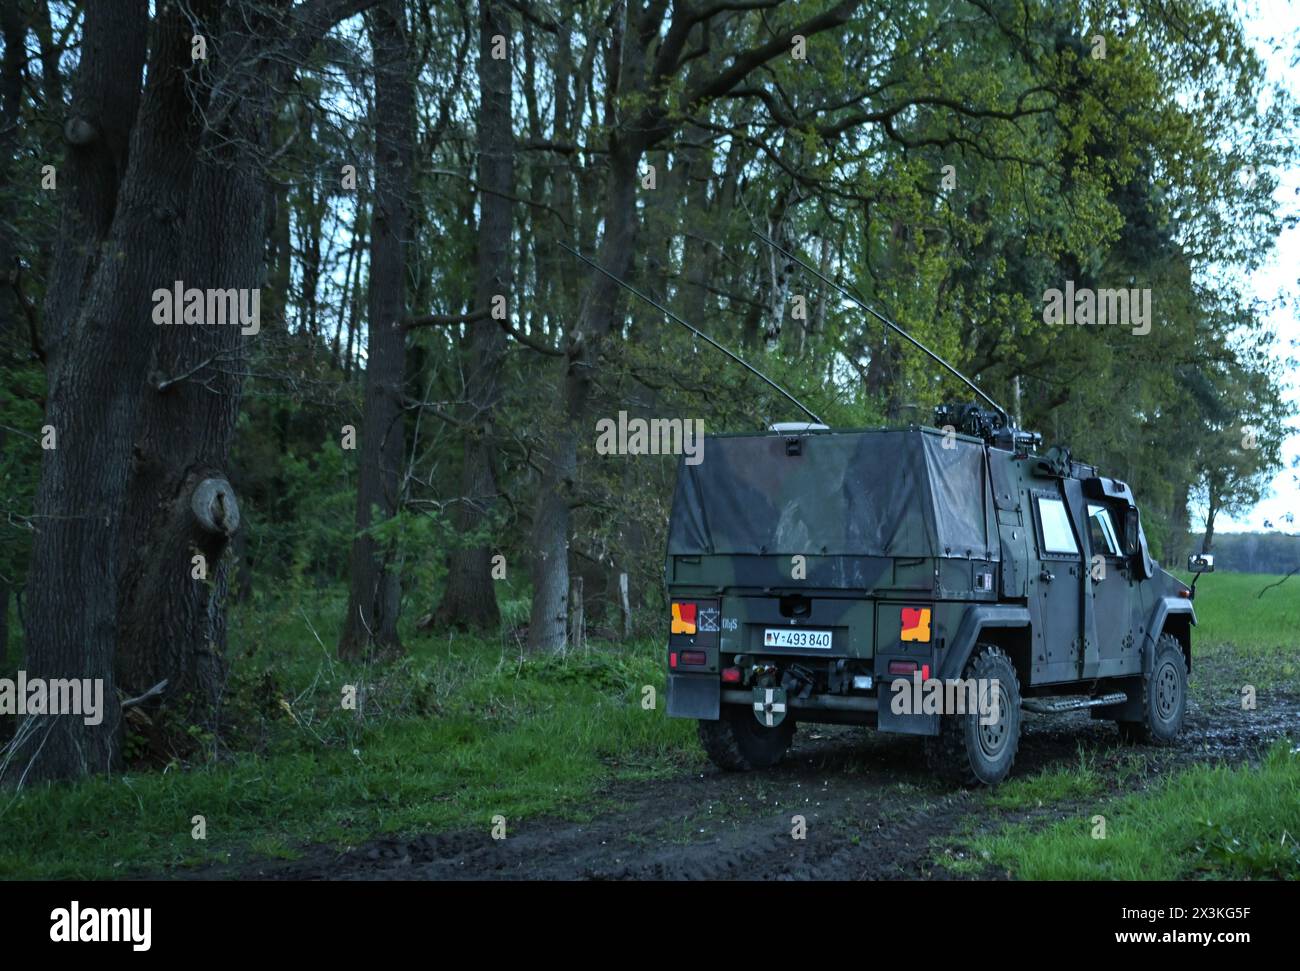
x=887 y=493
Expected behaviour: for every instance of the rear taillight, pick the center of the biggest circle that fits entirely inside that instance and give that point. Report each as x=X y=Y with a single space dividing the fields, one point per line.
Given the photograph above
x=731 y=675
x=902 y=667
x=693 y=659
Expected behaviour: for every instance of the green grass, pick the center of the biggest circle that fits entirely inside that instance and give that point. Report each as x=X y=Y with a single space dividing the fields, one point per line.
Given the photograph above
x=459 y=731
x=1231 y=611
x=463 y=729
x=1077 y=781
x=1213 y=822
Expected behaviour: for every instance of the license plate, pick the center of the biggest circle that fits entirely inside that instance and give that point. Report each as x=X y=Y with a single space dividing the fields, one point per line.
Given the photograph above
x=781 y=637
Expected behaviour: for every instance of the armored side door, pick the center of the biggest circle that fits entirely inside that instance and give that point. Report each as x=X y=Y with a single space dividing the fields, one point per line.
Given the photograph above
x=1054 y=588
x=1114 y=590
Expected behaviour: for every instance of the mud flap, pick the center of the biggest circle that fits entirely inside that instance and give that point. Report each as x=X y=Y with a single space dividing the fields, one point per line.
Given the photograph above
x=887 y=720
x=694 y=696
x=1127 y=711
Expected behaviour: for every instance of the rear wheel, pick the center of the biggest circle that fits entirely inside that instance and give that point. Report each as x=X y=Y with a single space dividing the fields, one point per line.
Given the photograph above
x=738 y=743
x=1164 y=697
x=972 y=749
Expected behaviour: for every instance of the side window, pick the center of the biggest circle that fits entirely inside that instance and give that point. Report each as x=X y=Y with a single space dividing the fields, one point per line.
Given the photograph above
x=1058 y=537
x=1101 y=531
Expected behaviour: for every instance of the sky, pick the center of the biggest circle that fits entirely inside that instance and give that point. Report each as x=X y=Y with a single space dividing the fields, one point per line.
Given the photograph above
x=1265 y=20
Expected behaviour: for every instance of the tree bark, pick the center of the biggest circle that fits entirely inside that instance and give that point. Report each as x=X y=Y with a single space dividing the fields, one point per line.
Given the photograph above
x=470 y=598
x=375 y=595
x=134 y=221
x=11 y=96
x=98 y=336
x=551 y=523
x=180 y=504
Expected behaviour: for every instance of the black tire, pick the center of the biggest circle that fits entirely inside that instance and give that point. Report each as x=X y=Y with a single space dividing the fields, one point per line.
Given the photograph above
x=1164 y=697
x=736 y=742
x=968 y=753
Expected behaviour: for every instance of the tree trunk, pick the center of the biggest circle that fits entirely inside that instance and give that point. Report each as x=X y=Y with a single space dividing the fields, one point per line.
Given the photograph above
x=375 y=595
x=180 y=504
x=470 y=599
x=1207 y=543
x=132 y=223
x=99 y=334
x=11 y=96
x=551 y=524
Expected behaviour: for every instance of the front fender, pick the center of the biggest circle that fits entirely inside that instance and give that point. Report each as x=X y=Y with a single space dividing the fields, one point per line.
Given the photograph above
x=1165 y=607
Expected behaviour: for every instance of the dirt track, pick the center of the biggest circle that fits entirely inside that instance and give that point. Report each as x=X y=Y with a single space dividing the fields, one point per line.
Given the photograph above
x=872 y=811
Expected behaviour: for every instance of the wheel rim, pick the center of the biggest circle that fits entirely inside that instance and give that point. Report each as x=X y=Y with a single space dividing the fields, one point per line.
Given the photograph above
x=993 y=738
x=1167 y=692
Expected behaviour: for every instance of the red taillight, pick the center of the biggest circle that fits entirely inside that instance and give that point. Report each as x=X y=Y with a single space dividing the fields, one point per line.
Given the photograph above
x=731 y=675
x=925 y=672
x=902 y=667
x=672 y=659
x=693 y=658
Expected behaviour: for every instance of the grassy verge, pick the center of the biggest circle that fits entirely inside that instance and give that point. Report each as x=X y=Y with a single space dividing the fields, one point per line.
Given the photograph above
x=1235 y=610
x=1205 y=822
x=457 y=732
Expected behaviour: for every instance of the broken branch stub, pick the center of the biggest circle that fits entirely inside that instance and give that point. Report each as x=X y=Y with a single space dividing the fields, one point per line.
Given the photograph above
x=215 y=507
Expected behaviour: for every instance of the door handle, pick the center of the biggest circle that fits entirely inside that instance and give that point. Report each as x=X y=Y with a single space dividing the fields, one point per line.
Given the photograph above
x=1047 y=577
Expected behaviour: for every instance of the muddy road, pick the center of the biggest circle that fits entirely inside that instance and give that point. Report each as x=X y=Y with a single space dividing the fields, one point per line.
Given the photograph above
x=872 y=812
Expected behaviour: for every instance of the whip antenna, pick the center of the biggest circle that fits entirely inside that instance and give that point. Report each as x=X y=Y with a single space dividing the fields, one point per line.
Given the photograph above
x=884 y=320
x=694 y=330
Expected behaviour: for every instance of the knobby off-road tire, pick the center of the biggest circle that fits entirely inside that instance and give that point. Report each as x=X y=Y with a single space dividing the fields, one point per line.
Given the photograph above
x=1164 y=697
x=966 y=753
x=736 y=742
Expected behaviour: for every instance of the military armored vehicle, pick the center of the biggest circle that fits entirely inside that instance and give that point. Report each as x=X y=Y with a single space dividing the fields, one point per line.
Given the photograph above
x=842 y=576
x=820 y=575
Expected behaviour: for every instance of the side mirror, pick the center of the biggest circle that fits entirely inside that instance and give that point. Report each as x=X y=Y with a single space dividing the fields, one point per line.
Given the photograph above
x=1200 y=563
x=1131 y=534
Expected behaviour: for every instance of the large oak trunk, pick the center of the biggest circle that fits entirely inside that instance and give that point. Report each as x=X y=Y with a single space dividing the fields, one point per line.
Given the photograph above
x=181 y=510
x=98 y=363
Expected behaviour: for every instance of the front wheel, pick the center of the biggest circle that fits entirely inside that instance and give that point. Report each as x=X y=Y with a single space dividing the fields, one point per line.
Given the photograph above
x=979 y=747
x=736 y=742
x=1164 y=697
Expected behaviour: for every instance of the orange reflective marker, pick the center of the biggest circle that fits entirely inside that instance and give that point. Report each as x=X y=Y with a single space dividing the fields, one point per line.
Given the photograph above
x=916 y=624
x=683 y=618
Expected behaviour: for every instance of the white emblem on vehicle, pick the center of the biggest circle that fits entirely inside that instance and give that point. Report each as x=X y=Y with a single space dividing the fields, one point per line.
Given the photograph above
x=709 y=617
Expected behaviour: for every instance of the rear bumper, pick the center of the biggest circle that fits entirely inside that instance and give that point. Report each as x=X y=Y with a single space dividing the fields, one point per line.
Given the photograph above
x=701 y=696
x=815 y=703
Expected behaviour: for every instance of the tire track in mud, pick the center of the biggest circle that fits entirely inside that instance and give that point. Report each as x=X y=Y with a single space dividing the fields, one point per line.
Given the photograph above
x=871 y=809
